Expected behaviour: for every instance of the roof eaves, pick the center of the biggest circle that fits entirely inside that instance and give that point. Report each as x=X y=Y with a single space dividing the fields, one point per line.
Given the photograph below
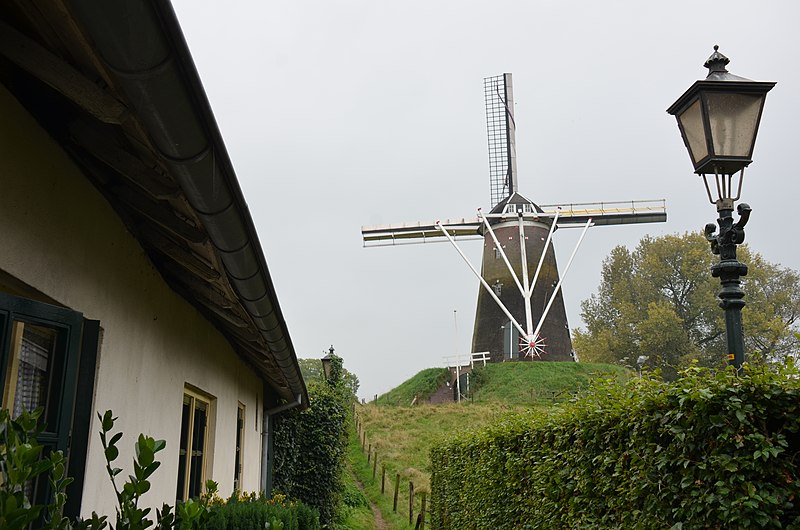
x=142 y=43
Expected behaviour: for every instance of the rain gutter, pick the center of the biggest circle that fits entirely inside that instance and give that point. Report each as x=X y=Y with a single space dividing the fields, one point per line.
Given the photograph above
x=142 y=44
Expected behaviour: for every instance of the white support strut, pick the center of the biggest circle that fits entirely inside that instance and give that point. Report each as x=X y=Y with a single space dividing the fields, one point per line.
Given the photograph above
x=527 y=291
x=561 y=279
x=478 y=275
x=524 y=258
x=499 y=248
x=544 y=251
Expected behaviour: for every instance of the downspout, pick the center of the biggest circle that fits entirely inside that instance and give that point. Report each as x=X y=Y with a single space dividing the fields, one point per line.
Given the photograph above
x=266 y=460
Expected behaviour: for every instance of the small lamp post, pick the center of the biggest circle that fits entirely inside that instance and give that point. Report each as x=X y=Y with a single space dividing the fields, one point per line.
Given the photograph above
x=640 y=363
x=327 y=364
x=718 y=118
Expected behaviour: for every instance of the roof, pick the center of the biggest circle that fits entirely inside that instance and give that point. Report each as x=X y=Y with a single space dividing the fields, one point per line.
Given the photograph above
x=515 y=198
x=114 y=83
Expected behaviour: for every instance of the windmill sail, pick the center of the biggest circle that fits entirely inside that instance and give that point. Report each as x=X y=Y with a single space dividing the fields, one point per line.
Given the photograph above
x=499 y=97
x=570 y=215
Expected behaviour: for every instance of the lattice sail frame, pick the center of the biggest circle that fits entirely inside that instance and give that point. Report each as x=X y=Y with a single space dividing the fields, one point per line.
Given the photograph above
x=500 y=127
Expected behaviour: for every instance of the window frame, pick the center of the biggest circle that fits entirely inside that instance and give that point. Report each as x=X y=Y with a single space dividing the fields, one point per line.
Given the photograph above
x=183 y=487
x=70 y=389
x=238 y=460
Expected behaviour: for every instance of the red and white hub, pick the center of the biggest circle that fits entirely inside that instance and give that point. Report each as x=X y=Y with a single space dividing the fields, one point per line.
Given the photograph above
x=532 y=346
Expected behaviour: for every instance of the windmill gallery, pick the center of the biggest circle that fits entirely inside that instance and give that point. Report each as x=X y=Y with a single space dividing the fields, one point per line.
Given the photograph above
x=520 y=312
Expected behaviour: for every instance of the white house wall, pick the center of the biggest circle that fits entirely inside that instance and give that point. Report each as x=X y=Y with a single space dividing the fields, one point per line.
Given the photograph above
x=59 y=235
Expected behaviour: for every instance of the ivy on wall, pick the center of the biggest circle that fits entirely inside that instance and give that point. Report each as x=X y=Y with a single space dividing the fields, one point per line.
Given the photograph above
x=710 y=450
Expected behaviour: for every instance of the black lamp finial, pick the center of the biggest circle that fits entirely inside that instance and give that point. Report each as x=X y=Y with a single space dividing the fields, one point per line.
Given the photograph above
x=717 y=62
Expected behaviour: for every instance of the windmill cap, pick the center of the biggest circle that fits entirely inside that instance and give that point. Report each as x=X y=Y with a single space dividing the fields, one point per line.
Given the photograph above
x=515 y=198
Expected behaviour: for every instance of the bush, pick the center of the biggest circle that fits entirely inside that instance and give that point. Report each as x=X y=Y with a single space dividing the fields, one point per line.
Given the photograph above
x=711 y=450
x=21 y=463
x=250 y=513
x=310 y=446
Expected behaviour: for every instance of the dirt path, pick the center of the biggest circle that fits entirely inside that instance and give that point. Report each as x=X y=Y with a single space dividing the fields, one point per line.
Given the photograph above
x=380 y=523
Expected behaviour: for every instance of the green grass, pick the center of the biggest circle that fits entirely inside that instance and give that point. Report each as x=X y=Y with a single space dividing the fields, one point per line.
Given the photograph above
x=538 y=382
x=403 y=435
x=421 y=385
x=355 y=511
x=372 y=488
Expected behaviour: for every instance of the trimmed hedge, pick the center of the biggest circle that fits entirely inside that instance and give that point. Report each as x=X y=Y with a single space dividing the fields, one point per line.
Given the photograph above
x=710 y=450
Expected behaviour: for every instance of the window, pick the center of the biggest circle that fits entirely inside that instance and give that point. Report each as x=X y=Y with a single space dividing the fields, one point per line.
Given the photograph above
x=193 y=446
x=237 y=463
x=48 y=356
x=497 y=288
x=30 y=364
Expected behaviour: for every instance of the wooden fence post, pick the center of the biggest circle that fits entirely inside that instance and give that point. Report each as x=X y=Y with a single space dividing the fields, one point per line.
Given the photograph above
x=410 y=502
x=375 y=464
x=383 y=478
x=422 y=513
x=396 y=490
x=369 y=454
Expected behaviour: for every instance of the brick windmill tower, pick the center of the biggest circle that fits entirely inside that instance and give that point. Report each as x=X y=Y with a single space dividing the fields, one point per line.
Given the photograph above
x=520 y=313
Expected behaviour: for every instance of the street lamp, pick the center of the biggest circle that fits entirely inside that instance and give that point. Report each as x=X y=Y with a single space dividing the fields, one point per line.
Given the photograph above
x=640 y=363
x=718 y=118
x=327 y=364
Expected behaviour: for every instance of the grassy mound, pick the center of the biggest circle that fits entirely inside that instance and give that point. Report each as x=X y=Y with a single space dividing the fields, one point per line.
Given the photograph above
x=421 y=385
x=538 y=382
x=402 y=435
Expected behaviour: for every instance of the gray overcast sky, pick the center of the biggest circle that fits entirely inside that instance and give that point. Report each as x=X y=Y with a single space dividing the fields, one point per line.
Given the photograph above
x=339 y=114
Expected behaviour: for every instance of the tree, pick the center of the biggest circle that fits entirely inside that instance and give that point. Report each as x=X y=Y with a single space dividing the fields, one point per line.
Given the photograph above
x=659 y=301
x=312 y=370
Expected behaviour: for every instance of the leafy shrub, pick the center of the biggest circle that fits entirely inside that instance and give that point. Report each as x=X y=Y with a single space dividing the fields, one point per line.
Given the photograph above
x=711 y=450
x=22 y=462
x=310 y=446
x=251 y=513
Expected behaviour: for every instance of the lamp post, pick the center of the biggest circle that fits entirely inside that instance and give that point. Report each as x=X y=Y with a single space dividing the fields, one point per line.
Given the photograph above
x=718 y=118
x=327 y=364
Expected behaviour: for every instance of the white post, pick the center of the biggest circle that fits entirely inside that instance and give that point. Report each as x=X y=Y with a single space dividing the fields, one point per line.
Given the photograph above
x=527 y=293
x=455 y=331
x=561 y=280
x=458 y=358
x=458 y=377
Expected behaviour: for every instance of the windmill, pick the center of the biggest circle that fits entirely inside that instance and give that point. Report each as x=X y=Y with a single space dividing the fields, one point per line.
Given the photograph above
x=520 y=312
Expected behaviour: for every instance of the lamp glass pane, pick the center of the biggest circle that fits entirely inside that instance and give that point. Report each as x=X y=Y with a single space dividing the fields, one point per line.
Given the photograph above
x=691 y=121
x=733 y=119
